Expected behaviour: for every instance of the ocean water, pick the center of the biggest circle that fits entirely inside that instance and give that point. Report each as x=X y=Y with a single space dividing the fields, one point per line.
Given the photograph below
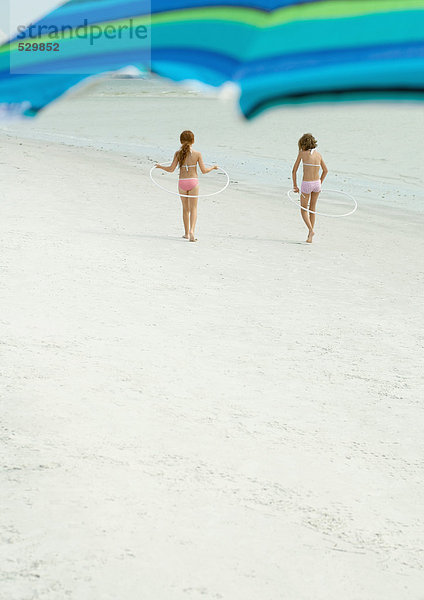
x=369 y=148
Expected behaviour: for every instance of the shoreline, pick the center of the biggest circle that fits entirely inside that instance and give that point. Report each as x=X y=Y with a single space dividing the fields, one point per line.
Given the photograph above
x=145 y=162
x=261 y=153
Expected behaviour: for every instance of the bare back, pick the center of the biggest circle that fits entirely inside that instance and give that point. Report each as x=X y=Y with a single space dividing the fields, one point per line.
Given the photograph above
x=189 y=168
x=312 y=162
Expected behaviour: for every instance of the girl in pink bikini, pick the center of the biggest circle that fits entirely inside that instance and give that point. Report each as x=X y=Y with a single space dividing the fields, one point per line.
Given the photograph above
x=187 y=160
x=312 y=182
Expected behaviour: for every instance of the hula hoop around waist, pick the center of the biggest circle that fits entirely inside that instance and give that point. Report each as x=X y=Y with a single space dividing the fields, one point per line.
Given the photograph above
x=315 y=212
x=227 y=183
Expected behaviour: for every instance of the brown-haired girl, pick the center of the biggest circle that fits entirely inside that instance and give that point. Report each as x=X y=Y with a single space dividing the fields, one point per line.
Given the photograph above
x=188 y=184
x=312 y=182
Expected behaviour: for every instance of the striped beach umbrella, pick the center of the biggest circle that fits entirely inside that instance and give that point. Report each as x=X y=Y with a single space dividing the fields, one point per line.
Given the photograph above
x=274 y=51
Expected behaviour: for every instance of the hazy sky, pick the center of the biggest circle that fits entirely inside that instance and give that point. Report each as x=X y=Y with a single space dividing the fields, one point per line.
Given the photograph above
x=23 y=12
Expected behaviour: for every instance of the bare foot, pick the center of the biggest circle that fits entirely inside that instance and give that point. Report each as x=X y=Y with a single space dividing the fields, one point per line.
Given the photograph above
x=310 y=236
x=192 y=238
x=185 y=236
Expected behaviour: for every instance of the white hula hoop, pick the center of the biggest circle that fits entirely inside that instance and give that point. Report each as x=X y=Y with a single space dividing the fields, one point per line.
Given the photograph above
x=227 y=183
x=315 y=212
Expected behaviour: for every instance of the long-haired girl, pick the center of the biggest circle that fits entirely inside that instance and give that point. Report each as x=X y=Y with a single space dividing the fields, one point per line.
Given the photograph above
x=187 y=160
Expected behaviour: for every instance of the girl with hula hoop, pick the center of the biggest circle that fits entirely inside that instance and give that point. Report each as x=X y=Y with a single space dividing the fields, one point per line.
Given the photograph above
x=187 y=160
x=312 y=182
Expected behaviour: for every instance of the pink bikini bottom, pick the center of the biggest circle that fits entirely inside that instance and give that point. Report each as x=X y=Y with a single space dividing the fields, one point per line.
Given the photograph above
x=308 y=187
x=187 y=184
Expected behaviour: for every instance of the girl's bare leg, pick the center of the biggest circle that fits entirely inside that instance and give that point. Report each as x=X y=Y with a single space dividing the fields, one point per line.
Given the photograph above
x=304 y=203
x=186 y=214
x=313 y=206
x=192 y=203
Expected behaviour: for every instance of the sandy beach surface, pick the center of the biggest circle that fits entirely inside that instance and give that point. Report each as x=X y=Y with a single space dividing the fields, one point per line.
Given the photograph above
x=239 y=418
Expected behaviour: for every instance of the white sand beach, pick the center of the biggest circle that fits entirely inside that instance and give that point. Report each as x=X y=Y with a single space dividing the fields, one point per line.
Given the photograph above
x=239 y=418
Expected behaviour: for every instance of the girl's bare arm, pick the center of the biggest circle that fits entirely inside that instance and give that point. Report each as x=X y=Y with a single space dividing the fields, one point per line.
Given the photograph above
x=202 y=166
x=294 y=172
x=324 y=170
x=172 y=167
